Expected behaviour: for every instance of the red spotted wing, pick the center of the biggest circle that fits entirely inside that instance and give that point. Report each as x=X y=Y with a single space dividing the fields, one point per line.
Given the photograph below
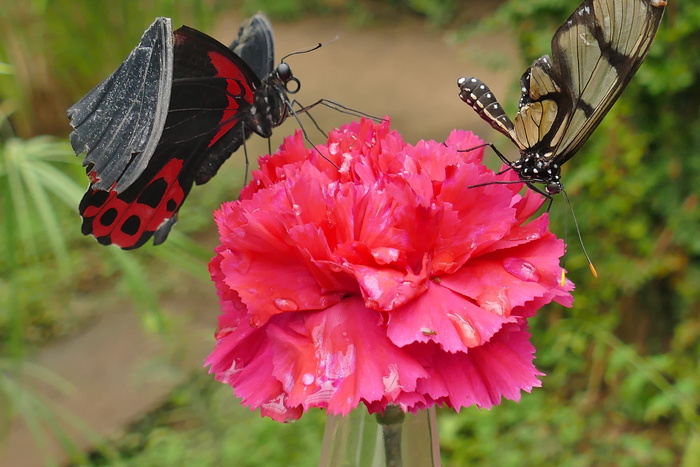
x=168 y=117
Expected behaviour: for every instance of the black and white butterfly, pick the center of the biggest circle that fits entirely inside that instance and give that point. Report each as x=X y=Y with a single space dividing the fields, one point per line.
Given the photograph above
x=595 y=53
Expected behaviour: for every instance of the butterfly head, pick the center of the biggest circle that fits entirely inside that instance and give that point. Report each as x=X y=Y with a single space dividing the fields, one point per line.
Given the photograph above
x=284 y=74
x=271 y=106
x=554 y=188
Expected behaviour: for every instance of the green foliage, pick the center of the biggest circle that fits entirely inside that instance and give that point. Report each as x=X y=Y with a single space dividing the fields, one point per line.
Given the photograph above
x=203 y=425
x=437 y=12
x=61 y=48
x=43 y=419
x=34 y=188
x=624 y=364
x=46 y=265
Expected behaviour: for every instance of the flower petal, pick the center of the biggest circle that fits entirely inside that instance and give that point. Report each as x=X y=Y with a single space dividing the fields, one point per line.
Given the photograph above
x=368 y=270
x=447 y=318
x=338 y=359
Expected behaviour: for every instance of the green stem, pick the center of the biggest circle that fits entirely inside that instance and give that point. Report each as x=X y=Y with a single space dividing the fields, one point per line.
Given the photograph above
x=392 y=423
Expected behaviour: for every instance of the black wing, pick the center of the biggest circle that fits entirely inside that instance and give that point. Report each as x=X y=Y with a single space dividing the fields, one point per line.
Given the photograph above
x=118 y=123
x=212 y=90
x=596 y=52
x=255 y=44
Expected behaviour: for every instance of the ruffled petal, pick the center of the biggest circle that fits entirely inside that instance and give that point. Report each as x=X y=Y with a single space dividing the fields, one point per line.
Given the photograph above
x=447 y=318
x=337 y=359
x=370 y=271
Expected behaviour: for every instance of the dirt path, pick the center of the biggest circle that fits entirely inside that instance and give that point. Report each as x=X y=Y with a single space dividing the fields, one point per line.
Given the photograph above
x=406 y=71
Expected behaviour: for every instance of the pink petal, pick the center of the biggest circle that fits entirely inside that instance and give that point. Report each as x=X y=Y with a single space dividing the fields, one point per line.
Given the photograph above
x=290 y=288
x=442 y=316
x=343 y=357
x=372 y=271
x=474 y=218
x=500 y=368
x=511 y=277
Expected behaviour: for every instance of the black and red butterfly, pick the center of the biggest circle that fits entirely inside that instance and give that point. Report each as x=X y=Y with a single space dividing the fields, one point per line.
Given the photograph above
x=168 y=117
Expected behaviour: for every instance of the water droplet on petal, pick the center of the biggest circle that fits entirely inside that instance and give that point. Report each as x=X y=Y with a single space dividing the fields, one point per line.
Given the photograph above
x=468 y=334
x=522 y=269
x=255 y=321
x=296 y=209
x=494 y=306
x=307 y=379
x=285 y=304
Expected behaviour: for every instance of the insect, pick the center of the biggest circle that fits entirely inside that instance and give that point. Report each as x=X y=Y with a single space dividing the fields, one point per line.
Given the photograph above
x=595 y=53
x=169 y=116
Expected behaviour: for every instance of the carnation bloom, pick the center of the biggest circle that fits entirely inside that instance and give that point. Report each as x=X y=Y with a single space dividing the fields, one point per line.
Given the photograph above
x=381 y=278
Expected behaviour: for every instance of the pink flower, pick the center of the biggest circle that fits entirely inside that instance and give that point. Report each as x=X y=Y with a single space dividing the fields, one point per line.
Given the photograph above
x=383 y=279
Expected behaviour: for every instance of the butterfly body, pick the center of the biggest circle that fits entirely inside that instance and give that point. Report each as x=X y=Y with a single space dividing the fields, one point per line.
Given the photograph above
x=159 y=125
x=536 y=164
x=595 y=54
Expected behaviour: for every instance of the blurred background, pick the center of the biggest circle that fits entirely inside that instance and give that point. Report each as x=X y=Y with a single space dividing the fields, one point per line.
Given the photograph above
x=101 y=350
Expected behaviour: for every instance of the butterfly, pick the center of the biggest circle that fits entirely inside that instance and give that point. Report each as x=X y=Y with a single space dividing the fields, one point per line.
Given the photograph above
x=169 y=116
x=595 y=53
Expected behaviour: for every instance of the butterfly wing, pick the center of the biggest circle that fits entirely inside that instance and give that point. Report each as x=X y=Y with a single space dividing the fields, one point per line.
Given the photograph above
x=595 y=54
x=544 y=109
x=255 y=44
x=118 y=123
x=211 y=90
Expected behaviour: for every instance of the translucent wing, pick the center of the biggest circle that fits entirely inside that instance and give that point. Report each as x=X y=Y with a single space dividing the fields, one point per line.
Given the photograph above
x=595 y=54
x=543 y=109
x=118 y=123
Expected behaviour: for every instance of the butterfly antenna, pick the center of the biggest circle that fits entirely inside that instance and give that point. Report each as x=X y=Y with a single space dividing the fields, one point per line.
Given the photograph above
x=562 y=279
x=305 y=51
x=578 y=232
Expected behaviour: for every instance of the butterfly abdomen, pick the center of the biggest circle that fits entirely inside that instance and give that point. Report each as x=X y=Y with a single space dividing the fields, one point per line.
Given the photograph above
x=477 y=94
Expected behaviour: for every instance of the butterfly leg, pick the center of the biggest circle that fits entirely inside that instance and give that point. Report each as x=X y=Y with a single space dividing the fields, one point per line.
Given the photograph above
x=497 y=182
x=304 y=110
x=340 y=108
x=536 y=189
x=330 y=104
x=295 y=114
x=498 y=153
x=245 y=156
